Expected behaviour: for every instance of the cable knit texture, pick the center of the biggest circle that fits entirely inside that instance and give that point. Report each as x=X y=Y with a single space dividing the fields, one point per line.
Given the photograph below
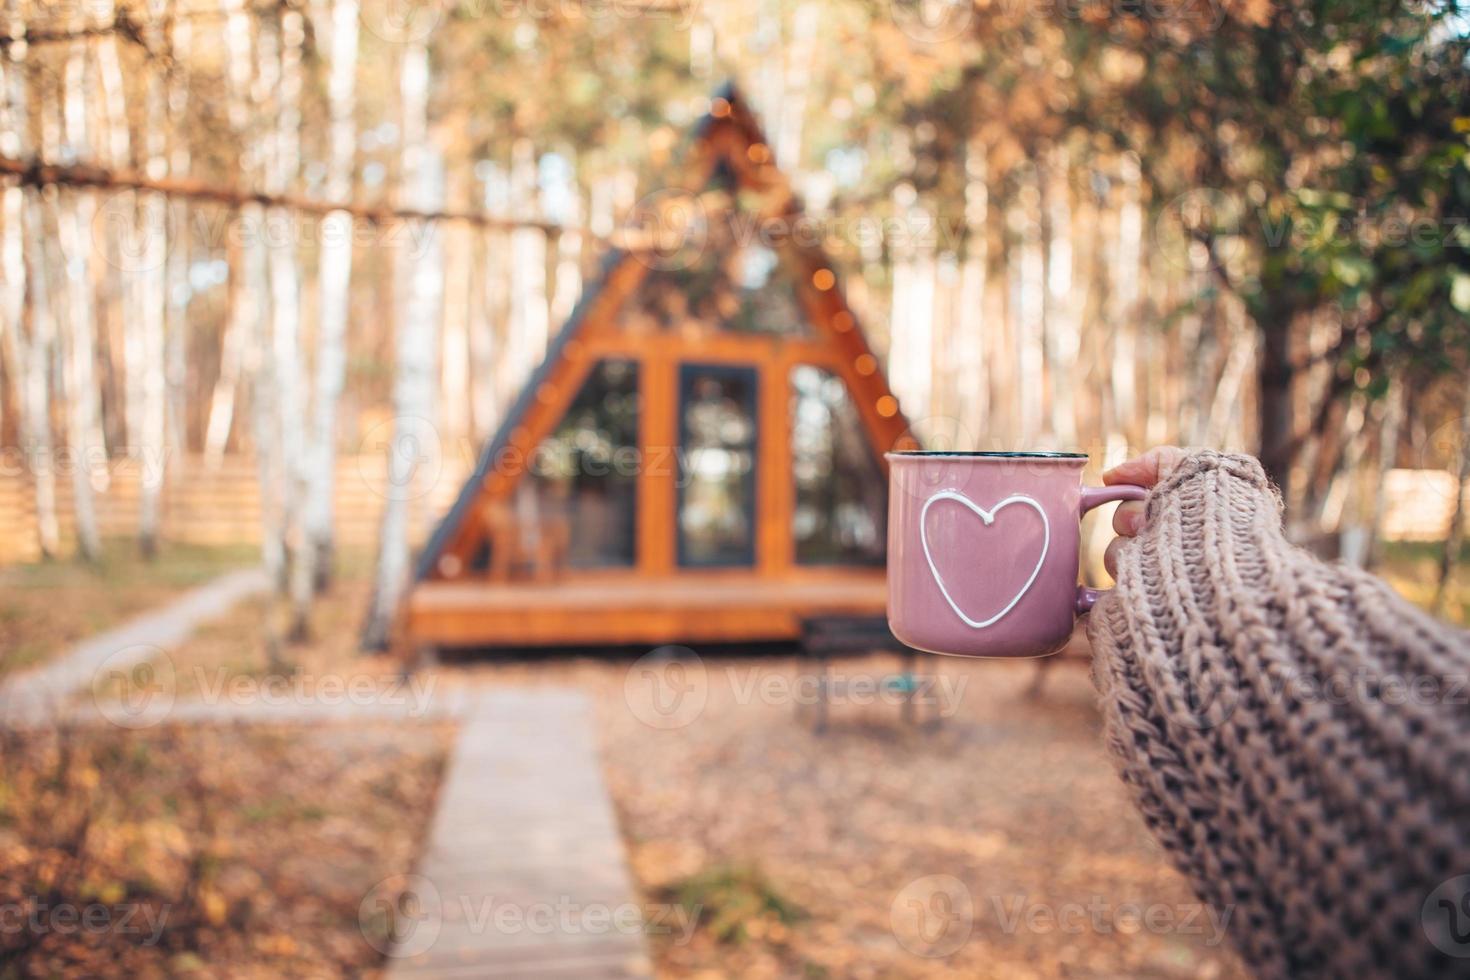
x=1296 y=736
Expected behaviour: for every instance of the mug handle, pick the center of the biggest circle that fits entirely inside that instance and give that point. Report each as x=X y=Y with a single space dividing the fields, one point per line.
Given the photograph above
x=1096 y=497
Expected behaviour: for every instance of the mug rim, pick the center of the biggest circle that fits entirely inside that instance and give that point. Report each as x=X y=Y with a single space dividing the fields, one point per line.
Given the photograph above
x=985 y=454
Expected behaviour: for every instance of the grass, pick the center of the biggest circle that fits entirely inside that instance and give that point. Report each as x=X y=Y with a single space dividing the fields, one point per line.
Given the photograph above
x=727 y=899
x=1412 y=568
x=48 y=605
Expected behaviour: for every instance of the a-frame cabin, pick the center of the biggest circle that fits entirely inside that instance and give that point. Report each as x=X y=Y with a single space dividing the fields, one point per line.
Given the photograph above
x=700 y=456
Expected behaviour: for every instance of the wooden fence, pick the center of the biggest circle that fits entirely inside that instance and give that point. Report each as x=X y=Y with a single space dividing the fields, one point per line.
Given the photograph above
x=221 y=506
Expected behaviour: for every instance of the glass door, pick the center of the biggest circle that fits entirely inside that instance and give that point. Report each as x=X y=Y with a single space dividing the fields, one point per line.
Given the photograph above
x=717 y=454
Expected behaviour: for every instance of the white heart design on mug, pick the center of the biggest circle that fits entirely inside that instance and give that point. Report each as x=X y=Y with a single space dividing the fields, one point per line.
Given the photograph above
x=988 y=516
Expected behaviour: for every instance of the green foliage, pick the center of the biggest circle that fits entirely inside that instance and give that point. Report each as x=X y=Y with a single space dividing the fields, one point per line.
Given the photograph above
x=725 y=899
x=1335 y=135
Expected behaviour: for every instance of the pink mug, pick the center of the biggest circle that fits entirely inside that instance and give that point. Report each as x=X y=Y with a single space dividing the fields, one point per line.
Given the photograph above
x=982 y=550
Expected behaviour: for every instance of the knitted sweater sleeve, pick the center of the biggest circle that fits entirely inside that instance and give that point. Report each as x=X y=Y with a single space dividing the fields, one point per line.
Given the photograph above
x=1295 y=735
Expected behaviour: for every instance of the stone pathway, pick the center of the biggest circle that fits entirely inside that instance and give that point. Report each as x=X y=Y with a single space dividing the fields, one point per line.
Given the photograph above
x=34 y=696
x=524 y=874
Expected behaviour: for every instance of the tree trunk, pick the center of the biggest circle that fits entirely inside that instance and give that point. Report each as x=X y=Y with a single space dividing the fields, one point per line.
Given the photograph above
x=1028 y=261
x=75 y=216
x=37 y=397
x=455 y=362
x=285 y=288
x=1125 y=304
x=254 y=288
x=335 y=280
x=153 y=303
x=529 y=327
x=1275 y=376
x=488 y=334
x=12 y=234
x=176 y=275
x=242 y=305
x=88 y=449
x=1226 y=401
x=416 y=344
x=1388 y=452
x=231 y=365
x=1061 y=320
x=974 y=378
x=126 y=270
x=1454 y=539
x=796 y=74
x=26 y=274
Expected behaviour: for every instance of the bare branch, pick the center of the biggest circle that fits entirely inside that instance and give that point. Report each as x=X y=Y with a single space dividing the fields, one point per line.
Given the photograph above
x=37 y=173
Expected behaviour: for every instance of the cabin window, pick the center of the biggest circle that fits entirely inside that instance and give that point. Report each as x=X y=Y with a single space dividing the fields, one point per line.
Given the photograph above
x=717 y=454
x=585 y=473
x=841 y=495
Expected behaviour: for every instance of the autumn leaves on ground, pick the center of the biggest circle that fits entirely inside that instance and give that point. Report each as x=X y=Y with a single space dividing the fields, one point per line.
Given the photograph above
x=997 y=843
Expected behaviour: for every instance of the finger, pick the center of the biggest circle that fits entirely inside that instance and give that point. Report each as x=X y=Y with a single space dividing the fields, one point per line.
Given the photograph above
x=1147 y=469
x=1110 y=557
x=1128 y=518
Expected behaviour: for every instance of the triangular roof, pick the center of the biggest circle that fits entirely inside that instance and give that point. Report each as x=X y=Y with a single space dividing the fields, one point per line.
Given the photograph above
x=728 y=140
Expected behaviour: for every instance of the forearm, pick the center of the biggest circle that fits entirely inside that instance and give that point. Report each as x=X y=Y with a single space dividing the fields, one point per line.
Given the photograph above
x=1295 y=735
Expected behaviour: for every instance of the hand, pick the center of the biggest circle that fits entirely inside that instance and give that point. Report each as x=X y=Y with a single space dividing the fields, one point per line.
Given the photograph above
x=1144 y=471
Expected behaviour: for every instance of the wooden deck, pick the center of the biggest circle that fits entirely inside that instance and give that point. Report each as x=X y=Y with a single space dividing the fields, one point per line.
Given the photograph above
x=696 y=607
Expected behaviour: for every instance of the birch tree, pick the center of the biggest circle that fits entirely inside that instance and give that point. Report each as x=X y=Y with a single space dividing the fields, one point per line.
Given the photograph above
x=970 y=351
x=489 y=337
x=415 y=346
x=568 y=283
x=36 y=399
x=1225 y=413
x=117 y=147
x=25 y=275
x=1061 y=319
x=334 y=283
x=75 y=217
x=455 y=362
x=239 y=72
x=1394 y=405
x=285 y=291
x=152 y=292
x=1029 y=290
x=177 y=272
x=1125 y=299
x=259 y=159
x=529 y=322
x=13 y=126
x=1454 y=540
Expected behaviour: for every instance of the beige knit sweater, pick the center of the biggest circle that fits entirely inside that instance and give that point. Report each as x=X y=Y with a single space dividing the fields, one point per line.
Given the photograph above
x=1297 y=736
